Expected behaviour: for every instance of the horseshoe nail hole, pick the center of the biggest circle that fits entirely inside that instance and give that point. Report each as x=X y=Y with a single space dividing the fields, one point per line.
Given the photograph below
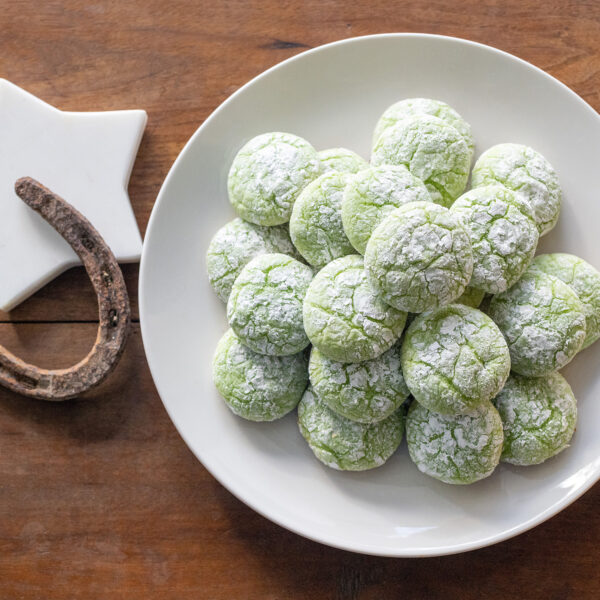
x=113 y=317
x=87 y=243
x=26 y=381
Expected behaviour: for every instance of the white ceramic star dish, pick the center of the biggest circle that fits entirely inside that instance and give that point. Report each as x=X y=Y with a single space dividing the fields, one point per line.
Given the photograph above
x=85 y=157
x=332 y=96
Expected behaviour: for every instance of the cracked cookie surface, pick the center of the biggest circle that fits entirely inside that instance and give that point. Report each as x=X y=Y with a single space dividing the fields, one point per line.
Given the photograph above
x=454 y=359
x=238 y=242
x=431 y=150
x=583 y=279
x=344 y=318
x=503 y=235
x=341 y=160
x=539 y=417
x=457 y=449
x=316 y=222
x=522 y=169
x=265 y=304
x=372 y=194
x=343 y=444
x=255 y=386
x=366 y=392
x=419 y=257
x=268 y=174
x=423 y=106
x=543 y=322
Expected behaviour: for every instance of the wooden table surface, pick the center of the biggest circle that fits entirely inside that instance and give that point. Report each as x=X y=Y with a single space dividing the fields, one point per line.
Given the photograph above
x=100 y=498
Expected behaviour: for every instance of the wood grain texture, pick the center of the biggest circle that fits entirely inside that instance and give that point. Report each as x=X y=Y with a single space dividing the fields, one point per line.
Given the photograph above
x=100 y=498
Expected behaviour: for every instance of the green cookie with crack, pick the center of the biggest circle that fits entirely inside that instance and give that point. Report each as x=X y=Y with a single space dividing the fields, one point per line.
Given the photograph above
x=454 y=359
x=265 y=304
x=523 y=170
x=255 y=386
x=316 y=222
x=419 y=257
x=344 y=318
x=430 y=149
x=503 y=236
x=457 y=449
x=367 y=391
x=409 y=107
x=539 y=417
x=268 y=174
x=543 y=322
x=343 y=444
x=583 y=279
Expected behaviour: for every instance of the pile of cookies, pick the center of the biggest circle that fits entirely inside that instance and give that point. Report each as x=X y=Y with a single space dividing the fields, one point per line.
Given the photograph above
x=381 y=298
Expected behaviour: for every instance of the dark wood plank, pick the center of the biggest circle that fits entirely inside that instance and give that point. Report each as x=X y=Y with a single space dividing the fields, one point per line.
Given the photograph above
x=100 y=498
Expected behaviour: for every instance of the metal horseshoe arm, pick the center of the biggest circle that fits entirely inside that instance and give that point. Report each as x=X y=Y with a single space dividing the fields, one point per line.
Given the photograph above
x=113 y=305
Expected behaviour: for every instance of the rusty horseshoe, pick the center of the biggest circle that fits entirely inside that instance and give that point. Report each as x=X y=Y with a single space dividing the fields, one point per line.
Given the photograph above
x=113 y=305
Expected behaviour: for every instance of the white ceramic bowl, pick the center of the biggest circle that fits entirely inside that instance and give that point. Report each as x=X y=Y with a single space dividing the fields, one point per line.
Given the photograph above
x=332 y=96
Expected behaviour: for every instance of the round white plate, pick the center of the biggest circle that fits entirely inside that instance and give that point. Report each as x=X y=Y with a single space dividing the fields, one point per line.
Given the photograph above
x=332 y=96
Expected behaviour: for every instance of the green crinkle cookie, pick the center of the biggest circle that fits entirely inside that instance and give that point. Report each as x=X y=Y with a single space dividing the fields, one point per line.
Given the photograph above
x=372 y=194
x=419 y=257
x=539 y=417
x=265 y=304
x=344 y=318
x=457 y=449
x=341 y=160
x=366 y=392
x=432 y=150
x=526 y=171
x=503 y=236
x=423 y=106
x=543 y=322
x=585 y=282
x=235 y=244
x=454 y=359
x=316 y=223
x=256 y=386
x=344 y=444
x=268 y=174
x=471 y=297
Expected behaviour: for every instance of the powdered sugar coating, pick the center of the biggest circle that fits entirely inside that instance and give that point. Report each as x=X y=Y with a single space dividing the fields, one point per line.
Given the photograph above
x=372 y=194
x=504 y=238
x=454 y=359
x=344 y=318
x=458 y=449
x=423 y=106
x=343 y=444
x=256 y=386
x=539 y=417
x=583 y=279
x=265 y=305
x=267 y=175
x=543 y=322
x=341 y=160
x=432 y=150
x=366 y=392
x=526 y=171
x=316 y=222
x=235 y=244
x=419 y=257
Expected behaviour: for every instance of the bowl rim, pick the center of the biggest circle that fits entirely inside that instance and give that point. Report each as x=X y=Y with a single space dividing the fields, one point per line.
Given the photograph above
x=229 y=483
